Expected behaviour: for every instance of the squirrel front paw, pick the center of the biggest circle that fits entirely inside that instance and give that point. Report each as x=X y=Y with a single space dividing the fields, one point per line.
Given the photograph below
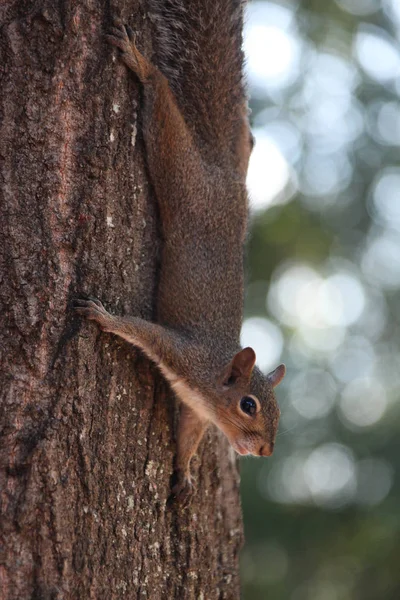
x=183 y=489
x=123 y=37
x=92 y=309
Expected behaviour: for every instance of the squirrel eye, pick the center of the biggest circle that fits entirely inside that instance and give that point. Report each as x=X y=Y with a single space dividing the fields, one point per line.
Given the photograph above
x=248 y=405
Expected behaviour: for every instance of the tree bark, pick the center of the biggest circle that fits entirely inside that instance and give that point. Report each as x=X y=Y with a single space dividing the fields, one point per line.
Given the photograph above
x=87 y=423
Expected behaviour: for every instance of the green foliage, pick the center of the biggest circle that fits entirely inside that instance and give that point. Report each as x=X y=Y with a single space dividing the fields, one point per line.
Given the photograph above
x=324 y=271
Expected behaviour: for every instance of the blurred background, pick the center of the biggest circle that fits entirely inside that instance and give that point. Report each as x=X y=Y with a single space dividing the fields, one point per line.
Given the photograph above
x=322 y=515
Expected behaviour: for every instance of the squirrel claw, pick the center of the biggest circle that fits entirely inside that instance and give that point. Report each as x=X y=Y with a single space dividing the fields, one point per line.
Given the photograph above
x=123 y=37
x=118 y=37
x=131 y=33
x=183 y=491
x=118 y=41
x=118 y=33
x=96 y=301
x=92 y=309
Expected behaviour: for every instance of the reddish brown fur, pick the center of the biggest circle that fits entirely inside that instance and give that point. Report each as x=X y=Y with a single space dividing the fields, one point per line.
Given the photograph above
x=198 y=144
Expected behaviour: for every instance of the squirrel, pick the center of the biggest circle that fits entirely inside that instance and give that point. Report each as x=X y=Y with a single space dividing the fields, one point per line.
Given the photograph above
x=198 y=143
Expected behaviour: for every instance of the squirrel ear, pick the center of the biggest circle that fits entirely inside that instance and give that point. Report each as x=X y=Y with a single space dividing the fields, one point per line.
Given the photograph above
x=276 y=376
x=243 y=362
x=241 y=365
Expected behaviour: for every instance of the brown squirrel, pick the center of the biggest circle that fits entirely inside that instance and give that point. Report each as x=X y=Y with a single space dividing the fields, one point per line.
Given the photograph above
x=198 y=144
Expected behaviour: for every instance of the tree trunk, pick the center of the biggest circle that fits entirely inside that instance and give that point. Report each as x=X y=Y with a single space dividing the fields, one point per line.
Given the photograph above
x=87 y=423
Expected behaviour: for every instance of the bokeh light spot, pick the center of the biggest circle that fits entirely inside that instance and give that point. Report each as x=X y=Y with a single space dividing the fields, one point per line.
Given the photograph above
x=330 y=474
x=268 y=173
x=386 y=197
x=363 y=402
x=312 y=393
x=377 y=53
x=381 y=260
x=265 y=338
x=272 y=51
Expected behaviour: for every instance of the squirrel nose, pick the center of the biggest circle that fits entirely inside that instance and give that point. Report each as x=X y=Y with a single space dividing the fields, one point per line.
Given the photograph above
x=267 y=449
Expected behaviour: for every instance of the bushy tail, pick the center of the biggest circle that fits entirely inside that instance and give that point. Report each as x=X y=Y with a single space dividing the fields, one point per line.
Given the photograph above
x=198 y=45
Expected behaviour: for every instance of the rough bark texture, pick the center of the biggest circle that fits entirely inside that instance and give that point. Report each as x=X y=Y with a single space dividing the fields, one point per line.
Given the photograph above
x=87 y=424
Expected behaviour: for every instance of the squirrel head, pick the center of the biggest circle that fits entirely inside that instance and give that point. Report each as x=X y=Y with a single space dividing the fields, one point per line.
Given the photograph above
x=249 y=414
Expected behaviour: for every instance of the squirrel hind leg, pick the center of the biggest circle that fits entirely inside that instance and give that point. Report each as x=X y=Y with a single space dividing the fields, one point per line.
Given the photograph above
x=123 y=37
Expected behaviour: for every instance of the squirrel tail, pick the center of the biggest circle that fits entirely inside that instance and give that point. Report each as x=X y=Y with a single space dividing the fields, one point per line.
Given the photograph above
x=198 y=46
